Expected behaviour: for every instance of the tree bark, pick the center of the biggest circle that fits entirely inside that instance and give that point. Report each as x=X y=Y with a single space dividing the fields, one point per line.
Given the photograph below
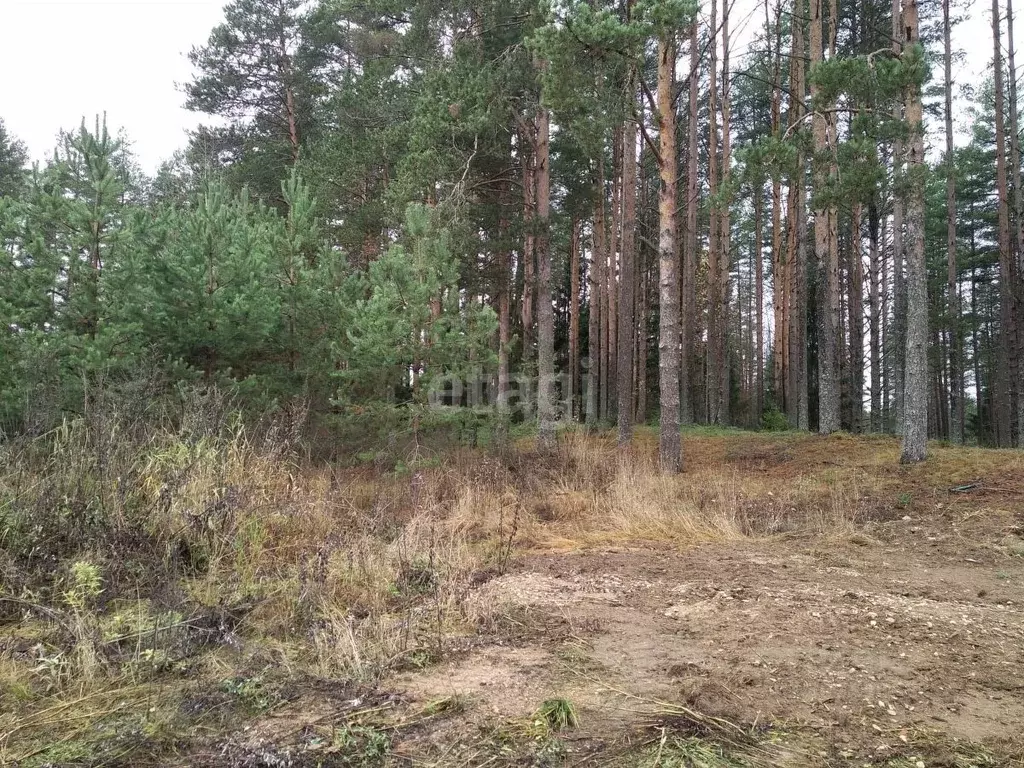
x=547 y=414
x=856 y=322
x=643 y=302
x=643 y=297
x=574 y=319
x=956 y=354
x=627 y=279
x=875 y=302
x=691 y=245
x=670 y=447
x=826 y=255
x=779 y=261
x=915 y=427
x=899 y=297
x=1016 y=264
x=758 y=378
x=724 y=222
x=594 y=324
x=1002 y=383
x=716 y=312
x=975 y=352
x=611 y=273
x=601 y=253
x=285 y=72
x=504 y=309
x=796 y=342
x=526 y=309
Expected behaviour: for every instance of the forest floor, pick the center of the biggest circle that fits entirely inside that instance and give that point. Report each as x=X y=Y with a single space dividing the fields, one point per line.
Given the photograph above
x=852 y=612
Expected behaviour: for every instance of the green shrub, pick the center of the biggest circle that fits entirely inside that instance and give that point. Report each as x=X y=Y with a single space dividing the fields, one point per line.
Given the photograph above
x=774 y=420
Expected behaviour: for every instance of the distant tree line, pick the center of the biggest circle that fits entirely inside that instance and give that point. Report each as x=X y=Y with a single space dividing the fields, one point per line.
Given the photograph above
x=396 y=194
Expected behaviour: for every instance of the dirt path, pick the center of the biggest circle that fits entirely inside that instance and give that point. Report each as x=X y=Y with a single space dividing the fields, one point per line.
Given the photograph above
x=872 y=641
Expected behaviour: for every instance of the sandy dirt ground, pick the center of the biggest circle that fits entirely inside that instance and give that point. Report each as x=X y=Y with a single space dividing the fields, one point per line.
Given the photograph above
x=907 y=630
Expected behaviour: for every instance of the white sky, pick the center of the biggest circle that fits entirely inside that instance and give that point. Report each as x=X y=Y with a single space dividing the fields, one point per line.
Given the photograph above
x=63 y=60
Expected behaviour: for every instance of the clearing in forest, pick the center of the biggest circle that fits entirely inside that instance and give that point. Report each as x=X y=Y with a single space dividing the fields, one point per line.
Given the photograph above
x=789 y=600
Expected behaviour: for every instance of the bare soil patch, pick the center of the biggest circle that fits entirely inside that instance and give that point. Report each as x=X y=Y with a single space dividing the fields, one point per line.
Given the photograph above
x=901 y=638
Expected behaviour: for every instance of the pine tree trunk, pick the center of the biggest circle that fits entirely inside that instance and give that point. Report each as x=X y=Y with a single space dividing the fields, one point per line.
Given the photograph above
x=600 y=359
x=794 y=183
x=526 y=309
x=792 y=327
x=758 y=378
x=594 y=323
x=601 y=248
x=627 y=280
x=690 y=247
x=547 y=412
x=915 y=427
x=504 y=309
x=886 y=331
x=941 y=412
x=643 y=294
x=670 y=448
x=293 y=126
x=956 y=353
x=574 y=319
x=643 y=300
x=825 y=253
x=779 y=295
x=716 y=312
x=800 y=287
x=779 y=261
x=798 y=409
x=979 y=383
x=875 y=299
x=1016 y=264
x=899 y=328
x=1002 y=384
x=724 y=222
x=285 y=73
x=612 y=285
x=856 y=322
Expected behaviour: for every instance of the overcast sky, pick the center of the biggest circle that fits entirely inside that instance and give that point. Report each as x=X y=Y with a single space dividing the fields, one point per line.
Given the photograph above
x=65 y=59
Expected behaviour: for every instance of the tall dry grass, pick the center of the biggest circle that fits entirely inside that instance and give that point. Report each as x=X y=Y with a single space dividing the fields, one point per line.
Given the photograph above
x=344 y=570
x=602 y=493
x=148 y=557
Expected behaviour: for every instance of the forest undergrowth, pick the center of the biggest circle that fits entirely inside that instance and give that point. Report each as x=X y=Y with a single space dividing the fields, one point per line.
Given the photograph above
x=164 y=586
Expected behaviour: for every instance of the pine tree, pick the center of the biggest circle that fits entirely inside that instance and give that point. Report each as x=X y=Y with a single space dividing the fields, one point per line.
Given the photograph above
x=669 y=338
x=1003 y=392
x=956 y=389
x=13 y=158
x=915 y=409
x=247 y=74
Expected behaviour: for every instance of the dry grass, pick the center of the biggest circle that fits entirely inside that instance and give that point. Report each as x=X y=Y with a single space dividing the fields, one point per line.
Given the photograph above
x=218 y=555
x=732 y=488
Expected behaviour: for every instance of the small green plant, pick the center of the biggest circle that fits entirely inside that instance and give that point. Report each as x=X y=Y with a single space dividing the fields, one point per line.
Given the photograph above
x=86 y=585
x=774 y=420
x=52 y=668
x=252 y=692
x=448 y=705
x=360 y=745
x=693 y=752
x=904 y=499
x=557 y=714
